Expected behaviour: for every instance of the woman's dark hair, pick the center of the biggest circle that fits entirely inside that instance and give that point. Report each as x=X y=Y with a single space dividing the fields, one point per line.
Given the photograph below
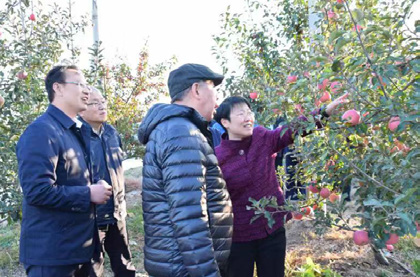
x=56 y=75
x=223 y=111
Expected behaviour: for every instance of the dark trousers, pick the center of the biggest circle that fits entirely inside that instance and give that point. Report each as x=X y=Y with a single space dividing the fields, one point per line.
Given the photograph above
x=77 y=270
x=268 y=254
x=114 y=242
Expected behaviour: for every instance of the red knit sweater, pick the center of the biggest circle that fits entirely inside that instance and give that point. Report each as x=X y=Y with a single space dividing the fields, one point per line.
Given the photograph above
x=248 y=168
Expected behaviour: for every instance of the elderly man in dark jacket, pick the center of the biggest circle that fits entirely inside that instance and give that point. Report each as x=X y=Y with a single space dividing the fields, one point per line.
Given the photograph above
x=187 y=209
x=107 y=157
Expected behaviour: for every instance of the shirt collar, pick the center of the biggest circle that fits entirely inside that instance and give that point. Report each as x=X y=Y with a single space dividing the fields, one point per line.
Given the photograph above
x=60 y=116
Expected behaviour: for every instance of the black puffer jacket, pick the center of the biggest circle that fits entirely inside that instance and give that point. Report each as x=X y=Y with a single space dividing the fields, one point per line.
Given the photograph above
x=187 y=210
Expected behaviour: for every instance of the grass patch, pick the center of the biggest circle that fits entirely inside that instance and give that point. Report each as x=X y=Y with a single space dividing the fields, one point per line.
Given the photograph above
x=136 y=234
x=409 y=251
x=9 y=245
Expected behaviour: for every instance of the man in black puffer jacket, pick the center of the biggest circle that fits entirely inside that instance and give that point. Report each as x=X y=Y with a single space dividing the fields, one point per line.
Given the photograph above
x=187 y=211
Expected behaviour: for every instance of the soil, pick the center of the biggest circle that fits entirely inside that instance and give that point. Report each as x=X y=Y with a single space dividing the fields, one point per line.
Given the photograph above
x=335 y=249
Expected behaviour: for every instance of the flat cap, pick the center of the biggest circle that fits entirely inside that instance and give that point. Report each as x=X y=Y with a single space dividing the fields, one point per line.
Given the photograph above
x=183 y=77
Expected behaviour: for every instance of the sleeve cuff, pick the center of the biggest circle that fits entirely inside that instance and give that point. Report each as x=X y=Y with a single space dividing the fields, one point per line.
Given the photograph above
x=323 y=112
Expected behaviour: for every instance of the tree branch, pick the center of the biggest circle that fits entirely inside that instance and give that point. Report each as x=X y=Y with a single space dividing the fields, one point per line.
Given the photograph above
x=364 y=173
x=364 y=50
x=403 y=266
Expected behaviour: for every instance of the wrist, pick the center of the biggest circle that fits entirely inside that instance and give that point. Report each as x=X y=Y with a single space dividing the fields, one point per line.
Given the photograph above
x=324 y=112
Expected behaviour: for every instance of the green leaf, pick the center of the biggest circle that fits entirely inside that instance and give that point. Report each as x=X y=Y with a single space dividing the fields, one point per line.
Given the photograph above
x=337 y=66
x=358 y=15
x=340 y=43
x=336 y=34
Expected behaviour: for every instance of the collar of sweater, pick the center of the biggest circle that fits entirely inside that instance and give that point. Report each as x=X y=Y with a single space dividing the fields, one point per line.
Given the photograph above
x=236 y=144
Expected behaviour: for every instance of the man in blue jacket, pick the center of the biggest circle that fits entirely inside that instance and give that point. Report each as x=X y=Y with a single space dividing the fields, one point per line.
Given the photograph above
x=107 y=157
x=58 y=234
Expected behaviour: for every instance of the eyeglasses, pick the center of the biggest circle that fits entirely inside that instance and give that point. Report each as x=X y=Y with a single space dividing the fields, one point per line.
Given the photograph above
x=245 y=114
x=97 y=104
x=83 y=86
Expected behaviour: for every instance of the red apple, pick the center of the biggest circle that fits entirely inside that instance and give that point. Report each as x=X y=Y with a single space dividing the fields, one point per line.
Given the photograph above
x=358 y=27
x=22 y=75
x=325 y=97
x=352 y=117
x=276 y=111
x=399 y=146
x=340 y=1
x=306 y=210
x=298 y=107
x=331 y=14
x=390 y=247
x=32 y=17
x=325 y=193
x=335 y=86
x=1 y=101
x=417 y=226
x=334 y=197
x=313 y=189
x=253 y=95
x=291 y=79
x=360 y=237
x=323 y=86
x=393 y=239
x=393 y=123
x=314 y=207
x=297 y=216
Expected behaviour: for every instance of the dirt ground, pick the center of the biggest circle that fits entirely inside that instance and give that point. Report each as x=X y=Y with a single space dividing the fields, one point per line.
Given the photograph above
x=335 y=249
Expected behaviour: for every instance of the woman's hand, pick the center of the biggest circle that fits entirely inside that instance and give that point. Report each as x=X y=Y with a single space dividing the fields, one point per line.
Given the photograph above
x=334 y=104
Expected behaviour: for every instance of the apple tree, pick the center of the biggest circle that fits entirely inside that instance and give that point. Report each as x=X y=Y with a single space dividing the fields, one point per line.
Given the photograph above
x=291 y=57
x=31 y=41
x=129 y=91
x=33 y=38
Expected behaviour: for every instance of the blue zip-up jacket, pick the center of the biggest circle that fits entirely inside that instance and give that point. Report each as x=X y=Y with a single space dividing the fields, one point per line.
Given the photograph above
x=58 y=220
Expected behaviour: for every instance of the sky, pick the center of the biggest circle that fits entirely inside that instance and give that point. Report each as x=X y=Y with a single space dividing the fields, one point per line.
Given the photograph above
x=183 y=28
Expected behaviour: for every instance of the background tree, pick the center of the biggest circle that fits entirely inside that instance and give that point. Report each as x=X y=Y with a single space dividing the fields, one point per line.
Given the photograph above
x=33 y=38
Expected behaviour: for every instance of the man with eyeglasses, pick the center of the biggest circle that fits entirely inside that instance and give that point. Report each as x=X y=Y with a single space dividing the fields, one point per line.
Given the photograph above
x=107 y=157
x=59 y=236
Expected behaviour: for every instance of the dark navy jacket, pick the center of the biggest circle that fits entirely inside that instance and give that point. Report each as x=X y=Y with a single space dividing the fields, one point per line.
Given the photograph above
x=188 y=219
x=107 y=157
x=58 y=224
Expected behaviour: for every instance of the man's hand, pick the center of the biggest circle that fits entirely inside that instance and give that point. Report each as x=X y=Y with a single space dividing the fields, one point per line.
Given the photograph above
x=337 y=102
x=100 y=192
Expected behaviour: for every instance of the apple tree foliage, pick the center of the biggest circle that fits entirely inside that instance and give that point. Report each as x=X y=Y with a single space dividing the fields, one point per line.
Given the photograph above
x=364 y=47
x=33 y=38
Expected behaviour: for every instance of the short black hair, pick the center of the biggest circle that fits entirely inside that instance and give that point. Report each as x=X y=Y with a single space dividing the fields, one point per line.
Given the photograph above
x=56 y=75
x=224 y=110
